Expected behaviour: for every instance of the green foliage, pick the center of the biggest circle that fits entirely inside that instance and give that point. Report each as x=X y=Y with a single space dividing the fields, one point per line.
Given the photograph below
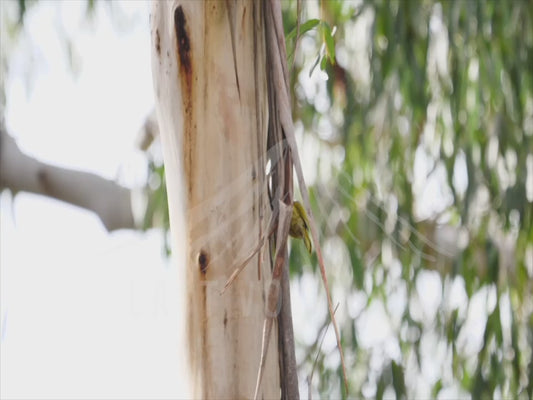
x=157 y=208
x=327 y=50
x=431 y=106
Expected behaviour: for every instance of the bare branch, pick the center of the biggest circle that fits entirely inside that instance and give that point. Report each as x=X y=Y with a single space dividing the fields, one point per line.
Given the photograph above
x=19 y=172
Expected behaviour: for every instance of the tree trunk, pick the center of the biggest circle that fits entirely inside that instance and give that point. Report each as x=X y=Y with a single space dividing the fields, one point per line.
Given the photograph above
x=208 y=62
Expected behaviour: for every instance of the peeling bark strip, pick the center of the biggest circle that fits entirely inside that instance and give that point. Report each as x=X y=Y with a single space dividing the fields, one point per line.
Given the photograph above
x=276 y=53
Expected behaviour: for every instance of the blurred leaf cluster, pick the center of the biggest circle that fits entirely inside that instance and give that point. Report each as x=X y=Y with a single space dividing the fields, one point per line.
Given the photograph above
x=422 y=134
x=156 y=214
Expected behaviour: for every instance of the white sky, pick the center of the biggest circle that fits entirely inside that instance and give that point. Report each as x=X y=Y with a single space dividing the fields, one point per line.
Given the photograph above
x=84 y=314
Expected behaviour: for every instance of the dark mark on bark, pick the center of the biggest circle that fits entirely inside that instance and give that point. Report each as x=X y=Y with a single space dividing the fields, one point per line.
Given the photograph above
x=230 y=7
x=157 y=42
x=184 y=54
x=43 y=180
x=203 y=261
x=225 y=318
x=184 y=46
x=243 y=21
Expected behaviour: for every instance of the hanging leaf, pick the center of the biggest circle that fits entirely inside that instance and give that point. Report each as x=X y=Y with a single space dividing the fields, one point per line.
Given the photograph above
x=304 y=28
x=327 y=36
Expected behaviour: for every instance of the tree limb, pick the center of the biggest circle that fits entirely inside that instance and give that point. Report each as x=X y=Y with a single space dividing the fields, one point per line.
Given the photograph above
x=19 y=172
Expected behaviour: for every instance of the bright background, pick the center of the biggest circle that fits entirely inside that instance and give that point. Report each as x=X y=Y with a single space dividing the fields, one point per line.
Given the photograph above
x=84 y=313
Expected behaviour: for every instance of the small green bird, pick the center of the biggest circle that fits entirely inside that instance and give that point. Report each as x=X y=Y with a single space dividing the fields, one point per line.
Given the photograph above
x=299 y=228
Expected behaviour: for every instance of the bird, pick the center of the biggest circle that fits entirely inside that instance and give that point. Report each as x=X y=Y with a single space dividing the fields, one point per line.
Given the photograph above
x=299 y=228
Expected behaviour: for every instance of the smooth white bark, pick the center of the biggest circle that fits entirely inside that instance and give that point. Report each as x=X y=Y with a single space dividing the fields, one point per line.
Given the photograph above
x=208 y=63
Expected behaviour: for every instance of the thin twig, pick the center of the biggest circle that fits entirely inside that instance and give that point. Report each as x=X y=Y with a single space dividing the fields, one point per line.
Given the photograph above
x=310 y=378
